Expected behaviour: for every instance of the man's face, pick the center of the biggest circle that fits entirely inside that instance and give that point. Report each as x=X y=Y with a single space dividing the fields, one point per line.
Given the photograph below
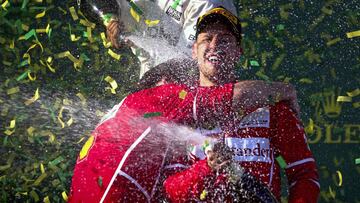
x=217 y=51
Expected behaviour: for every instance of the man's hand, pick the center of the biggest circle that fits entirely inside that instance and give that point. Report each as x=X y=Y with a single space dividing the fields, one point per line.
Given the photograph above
x=113 y=31
x=252 y=93
x=219 y=156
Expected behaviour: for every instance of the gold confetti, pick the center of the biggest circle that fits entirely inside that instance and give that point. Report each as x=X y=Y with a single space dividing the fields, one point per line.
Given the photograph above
x=135 y=15
x=104 y=40
x=86 y=148
x=73 y=13
x=340 y=178
x=331 y=192
x=13 y=90
x=343 y=99
x=77 y=62
x=114 y=55
x=34 y=98
x=353 y=34
x=42 y=169
x=40 y=179
x=354 y=93
x=40 y=15
x=30 y=76
x=333 y=41
x=64 y=196
x=30 y=130
x=87 y=23
x=74 y=38
x=5 y=4
x=356 y=105
x=113 y=84
x=60 y=117
x=182 y=94
x=152 y=23
x=46 y=199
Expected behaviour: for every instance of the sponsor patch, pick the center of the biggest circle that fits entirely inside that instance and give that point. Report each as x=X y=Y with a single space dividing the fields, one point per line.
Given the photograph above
x=257 y=119
x=250 y=149
x=173 y=13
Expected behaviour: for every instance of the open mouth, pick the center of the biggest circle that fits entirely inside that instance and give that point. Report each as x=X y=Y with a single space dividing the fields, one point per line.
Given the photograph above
x=214 y=59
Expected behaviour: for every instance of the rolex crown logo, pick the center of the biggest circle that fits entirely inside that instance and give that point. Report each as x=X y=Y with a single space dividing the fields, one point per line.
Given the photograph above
x=332 y=108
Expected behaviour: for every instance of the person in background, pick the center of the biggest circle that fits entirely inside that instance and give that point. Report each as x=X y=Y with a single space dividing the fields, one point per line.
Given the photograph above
x=255 y=135
x=172 y=21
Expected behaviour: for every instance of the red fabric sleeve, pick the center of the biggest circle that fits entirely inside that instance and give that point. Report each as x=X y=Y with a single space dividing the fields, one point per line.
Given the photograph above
x=187 y=184
x=291 y=143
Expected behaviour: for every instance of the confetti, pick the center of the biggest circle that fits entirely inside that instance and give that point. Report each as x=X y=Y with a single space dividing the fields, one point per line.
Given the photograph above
x=135 y=8
x=42 y=168
x=354 y=93
x=152 y=23
x=73 y=13
x=77 y=62
x=340 y=178
x=5 y=4
x=100 y=181
x=182 y=94
x=254 y=63
x=40 y=179
x=86 y=148
x=153 y=114
x=135 y=15
x=112 y=83
x=281 y=161
x=343 y=99
x=64 y=196
x=87 y=23
x=40 y=15
x=357 y=161
x=113 y=54
x=333 y=41
x=356 y=104
x=332 y=193
x=46 y=199
x=203 y=195
x=353 y=34
x=34 y=98
x=13 y=90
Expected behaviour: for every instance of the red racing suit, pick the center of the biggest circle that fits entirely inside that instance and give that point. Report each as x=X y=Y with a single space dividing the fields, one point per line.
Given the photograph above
x=123 y=159
x=256 y=139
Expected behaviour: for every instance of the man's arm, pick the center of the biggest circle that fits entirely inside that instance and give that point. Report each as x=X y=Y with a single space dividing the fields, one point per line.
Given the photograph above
x=291 y=142
x=251 y=93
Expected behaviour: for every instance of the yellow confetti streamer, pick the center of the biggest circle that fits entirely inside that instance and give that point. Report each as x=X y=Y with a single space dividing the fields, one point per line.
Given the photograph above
x=333 y=41
x=42 y=30
x=40 y=15
x=77 y=62
x=113 y=54
x=60 y=117
x=30 y=76
x=5 y=4
x=13 y=90
x=70 y=121
x=135 y=15
x=152 y=23
x=87 y=23
x=74 y=38
x=46 y=199
x=30 y=130
x=343 y=99
x=12 y=44
x=80 y=140
x=82 y=98
x=25 y=27
x=182 y=94
x=27 y=55
x=113 y=84
x=42 y=169
x=85 y=149
x=34 y=98
x=64 y=196
x=354 y=93
x=40 y=179
x=89 y=35
x=305 y=80
x=106 y=43
x=12 y=124
x=340 y=178
x=332 y=193
x=353 y=34
x=73 y=13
